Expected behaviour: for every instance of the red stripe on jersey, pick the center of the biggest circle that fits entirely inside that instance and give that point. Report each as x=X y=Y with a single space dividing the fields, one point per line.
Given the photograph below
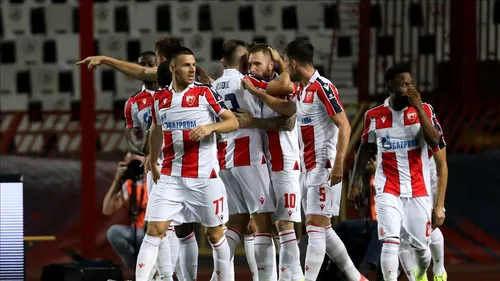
x=190 y=159
x=129 y=122
x=329 y=96
x=263 y=160
x=242 y=152
x=275 y=151
x=212 y=101
x=390 y=169
x=383 y=119
x=416 y=171
x=308 y=140
x=168 y=153
x=221 y=154
x=256 y=82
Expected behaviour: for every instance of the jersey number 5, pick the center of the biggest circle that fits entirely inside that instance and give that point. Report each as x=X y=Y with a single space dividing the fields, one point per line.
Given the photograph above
x=234 y=102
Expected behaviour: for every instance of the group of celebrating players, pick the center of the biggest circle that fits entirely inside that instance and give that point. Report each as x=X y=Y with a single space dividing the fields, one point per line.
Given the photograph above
x=247 y=150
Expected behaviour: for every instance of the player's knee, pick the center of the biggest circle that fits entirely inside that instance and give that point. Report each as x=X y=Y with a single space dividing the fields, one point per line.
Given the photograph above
x=391 y=245
x=263 y=222
x=214 y=234
x=317 y=220
x=251 y=226
x=184 y=230
x=157 y=229
x=282 y=225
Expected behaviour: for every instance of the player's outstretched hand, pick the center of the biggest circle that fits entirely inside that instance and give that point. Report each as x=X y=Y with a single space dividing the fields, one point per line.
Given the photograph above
x=155 y=172
x=244 y=117
x=248 y=85
x=274 y=54
x=336 y=174
x=353 y=197
x=438 y=217
x=414 y=97
x=198 y=133
x=91 y=62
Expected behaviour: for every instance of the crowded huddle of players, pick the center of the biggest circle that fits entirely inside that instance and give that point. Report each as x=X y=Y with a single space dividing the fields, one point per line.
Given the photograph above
x=245 y=154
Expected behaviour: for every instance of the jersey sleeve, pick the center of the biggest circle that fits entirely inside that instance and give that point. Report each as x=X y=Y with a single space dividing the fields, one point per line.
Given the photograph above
x=155 y=109
x=366 y=128
x=215 y=101
x=329 y=97
x=437 y=125
x=130 y=115
x=257 y=82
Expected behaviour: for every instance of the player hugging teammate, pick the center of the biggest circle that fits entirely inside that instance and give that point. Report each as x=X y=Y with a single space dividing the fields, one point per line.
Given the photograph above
x=250 y=149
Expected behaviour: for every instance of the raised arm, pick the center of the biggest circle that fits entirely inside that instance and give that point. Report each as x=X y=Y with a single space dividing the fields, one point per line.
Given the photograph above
x=425 y=114
x=114 y=200
x=130 y=69
x=283 y=86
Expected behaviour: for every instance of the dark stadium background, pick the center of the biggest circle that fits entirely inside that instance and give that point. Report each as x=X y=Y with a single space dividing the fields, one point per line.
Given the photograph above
x=47 y=104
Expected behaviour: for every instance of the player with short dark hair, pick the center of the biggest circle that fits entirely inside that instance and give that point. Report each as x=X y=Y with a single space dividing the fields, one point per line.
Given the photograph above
x=403 y=129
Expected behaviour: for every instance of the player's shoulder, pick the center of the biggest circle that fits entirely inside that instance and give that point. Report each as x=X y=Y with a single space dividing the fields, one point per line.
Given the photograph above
x=160 y=92
x=428 y=106
x=376 y=110
x=136 y=94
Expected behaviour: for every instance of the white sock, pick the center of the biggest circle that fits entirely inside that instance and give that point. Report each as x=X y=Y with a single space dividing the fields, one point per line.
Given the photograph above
x=289 y=254
x=233 y=240
x=250 y=254
x=389 y=260
x=221 y=257
x=423 y=258
x=316 y=250
x=146 y=259
x=298 y=273
x=437 y=251
x=174 y=246
x=274 y=276
x=264 y=249
x=164 y=259
x=407 y=260
x=188 y=256
x=337 y=252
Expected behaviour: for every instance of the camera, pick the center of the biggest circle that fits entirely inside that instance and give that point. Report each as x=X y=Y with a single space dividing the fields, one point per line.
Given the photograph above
x=134 y=171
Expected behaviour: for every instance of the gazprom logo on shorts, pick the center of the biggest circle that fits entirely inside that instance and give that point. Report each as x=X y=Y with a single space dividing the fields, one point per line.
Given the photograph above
x=179 y=125
x=388 y=144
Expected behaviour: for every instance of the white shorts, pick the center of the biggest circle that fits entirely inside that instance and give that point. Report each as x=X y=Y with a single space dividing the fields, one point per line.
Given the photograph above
x=318 y=197
x=180 y=218
x=404 y=218
x=286 y=187
x=204 y=198
x=248 y=189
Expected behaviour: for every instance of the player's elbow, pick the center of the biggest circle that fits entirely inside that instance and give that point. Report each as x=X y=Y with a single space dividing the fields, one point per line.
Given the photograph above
x=233 y=124
x=290 y=123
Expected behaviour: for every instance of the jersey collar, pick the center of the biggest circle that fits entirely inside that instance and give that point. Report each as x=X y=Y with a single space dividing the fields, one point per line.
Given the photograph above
x=230 y=71
x=171 y=88
x=147 y=90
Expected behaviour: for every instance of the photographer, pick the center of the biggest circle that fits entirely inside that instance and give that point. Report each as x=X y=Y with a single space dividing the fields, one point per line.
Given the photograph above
x=120 y=195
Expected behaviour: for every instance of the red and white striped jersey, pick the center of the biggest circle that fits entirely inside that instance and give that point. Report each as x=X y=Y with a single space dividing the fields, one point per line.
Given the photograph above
x=138 y=110
x=242 y=147
x=317 y=102
x=402 y=152
x=178 y=114
x=281 y=147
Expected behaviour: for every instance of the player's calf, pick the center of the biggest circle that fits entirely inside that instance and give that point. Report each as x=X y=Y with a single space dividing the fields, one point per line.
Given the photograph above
x=149 y=252
x=221 y=255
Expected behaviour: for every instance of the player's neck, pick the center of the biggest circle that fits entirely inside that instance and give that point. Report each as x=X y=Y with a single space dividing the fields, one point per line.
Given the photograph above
x=396 y=104
x=306 y=73
x=152 y=86
x=178 y=86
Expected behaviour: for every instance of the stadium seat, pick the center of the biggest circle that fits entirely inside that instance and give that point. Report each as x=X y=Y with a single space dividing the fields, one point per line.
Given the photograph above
x=201 y=45
x=113 y=45
x=8 y=53
x=16 y=19
x=59 y=18
x=104 y=98
x=246 y=36
x=8 y=80
x=279 y=39
x=185 y=16
x=68 y=48
x=224 y=16
x=267 y=15
x=140 y=23
x=126 y=86
x=14 y=103
x=44 y=80
x=103 y=18
x=310 y=16
x=322 y=42
x=29 y=50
